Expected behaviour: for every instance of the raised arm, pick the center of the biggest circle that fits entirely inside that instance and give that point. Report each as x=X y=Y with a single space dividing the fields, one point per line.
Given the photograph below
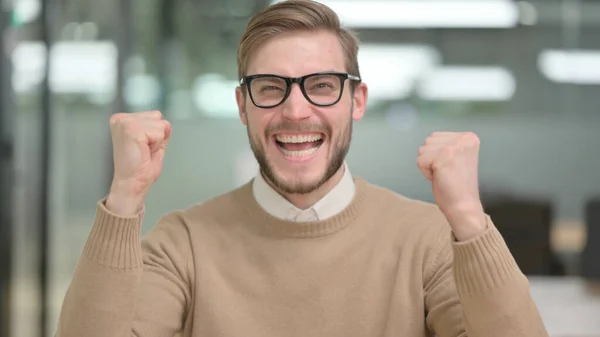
x=125 y=286
x=474 y=287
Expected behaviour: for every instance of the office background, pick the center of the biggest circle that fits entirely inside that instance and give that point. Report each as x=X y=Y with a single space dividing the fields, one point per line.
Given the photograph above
x=523 y=75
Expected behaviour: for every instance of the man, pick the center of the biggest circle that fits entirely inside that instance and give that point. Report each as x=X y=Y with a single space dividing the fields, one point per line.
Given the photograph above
x=305 y=249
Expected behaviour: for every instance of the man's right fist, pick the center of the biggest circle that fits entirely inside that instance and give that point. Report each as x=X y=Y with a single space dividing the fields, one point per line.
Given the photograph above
x=139 y=142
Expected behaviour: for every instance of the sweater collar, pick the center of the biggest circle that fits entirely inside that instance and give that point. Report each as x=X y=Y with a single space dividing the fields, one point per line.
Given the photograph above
x=273 y=226
x=331 y=204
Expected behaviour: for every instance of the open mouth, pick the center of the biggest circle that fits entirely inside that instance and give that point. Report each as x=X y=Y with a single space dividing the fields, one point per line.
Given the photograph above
x=299 y=145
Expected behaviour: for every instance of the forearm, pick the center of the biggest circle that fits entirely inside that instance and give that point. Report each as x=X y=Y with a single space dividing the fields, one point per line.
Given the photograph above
x=494 y=293
x=101 y=298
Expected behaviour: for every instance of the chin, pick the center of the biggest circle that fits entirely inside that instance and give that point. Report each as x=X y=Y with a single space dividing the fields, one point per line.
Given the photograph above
x=297 y=177
x=296 y=173
x=298 y=184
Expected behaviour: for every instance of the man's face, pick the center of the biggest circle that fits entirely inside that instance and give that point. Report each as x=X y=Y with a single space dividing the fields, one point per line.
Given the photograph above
x=300 y=146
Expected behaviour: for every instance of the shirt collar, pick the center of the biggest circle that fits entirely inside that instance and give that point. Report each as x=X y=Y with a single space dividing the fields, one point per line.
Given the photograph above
x=331 y=204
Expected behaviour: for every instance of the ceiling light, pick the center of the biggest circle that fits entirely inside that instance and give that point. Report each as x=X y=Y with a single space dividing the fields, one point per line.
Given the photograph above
x=391 y=71
x=466 y=83
x=570 y=66
x=426 y=14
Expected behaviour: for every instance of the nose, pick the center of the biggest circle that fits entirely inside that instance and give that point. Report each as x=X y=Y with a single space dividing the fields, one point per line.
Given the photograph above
x=296 y=107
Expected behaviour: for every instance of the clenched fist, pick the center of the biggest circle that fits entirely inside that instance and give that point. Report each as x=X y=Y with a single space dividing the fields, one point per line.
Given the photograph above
x=450 y=161
x=139 y=143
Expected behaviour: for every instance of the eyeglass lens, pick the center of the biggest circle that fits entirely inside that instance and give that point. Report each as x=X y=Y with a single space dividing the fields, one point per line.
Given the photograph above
x=320 y=89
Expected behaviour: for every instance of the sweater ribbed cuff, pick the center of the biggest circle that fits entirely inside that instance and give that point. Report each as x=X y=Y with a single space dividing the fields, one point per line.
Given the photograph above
x=483 y=263
x=115 y=241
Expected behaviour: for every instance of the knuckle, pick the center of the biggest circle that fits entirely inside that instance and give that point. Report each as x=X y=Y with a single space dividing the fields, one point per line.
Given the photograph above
x=447 y=150
x=155 y=113
x=116 y=118
x=471 y=138
x=423 y=162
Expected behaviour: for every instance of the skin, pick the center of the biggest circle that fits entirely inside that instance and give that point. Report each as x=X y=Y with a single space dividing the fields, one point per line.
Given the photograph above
x=448 y=159
x=302 y=182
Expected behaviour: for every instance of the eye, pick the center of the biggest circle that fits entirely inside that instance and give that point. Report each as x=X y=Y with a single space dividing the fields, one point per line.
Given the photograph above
x=270 y=88
x=323 y=85
x=268 y=84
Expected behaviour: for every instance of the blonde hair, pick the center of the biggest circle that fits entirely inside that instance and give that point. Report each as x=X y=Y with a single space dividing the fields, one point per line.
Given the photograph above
x=295 y=15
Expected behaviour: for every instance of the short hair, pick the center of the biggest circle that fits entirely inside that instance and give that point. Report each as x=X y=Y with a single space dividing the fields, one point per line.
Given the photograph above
x=295 y=15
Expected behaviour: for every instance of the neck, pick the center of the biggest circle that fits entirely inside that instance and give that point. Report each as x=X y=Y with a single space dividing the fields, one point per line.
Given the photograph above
x=304 y=201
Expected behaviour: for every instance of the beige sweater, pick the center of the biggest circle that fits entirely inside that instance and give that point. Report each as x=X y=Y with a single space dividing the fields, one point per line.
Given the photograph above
x=385 y=266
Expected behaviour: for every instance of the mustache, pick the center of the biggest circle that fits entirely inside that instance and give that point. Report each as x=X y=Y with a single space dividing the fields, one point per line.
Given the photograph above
x=287 y=126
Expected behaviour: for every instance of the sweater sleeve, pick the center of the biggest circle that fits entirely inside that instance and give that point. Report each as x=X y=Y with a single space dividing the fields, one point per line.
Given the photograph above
x=477 y=290
x=124 y=286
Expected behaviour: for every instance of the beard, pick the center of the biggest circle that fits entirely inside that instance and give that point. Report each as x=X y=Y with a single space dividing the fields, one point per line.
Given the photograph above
x=339 y=149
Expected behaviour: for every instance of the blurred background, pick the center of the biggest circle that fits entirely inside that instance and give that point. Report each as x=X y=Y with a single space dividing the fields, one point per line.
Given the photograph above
x=523 y=75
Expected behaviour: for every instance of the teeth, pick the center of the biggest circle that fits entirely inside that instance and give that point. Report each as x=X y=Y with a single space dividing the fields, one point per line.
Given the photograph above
x=302 y=153
x=298 y=138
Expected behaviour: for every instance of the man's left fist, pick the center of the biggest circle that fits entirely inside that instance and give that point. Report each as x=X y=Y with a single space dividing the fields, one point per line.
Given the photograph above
x=450 y=161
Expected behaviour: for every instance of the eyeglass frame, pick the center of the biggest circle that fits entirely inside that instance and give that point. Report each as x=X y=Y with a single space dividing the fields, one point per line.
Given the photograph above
x=289 y=81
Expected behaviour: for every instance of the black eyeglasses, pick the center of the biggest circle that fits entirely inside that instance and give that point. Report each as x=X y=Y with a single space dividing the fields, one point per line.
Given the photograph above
x=321 y=89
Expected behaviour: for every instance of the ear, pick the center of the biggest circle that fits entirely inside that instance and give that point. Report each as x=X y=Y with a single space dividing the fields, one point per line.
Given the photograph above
x=241 y=103
x=361 y=94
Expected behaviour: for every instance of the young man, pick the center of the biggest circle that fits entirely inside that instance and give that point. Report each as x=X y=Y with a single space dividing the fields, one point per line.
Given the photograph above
x=305 y=249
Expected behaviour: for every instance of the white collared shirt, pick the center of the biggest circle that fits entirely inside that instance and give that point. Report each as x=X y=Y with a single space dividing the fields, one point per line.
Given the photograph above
x=331 y=204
